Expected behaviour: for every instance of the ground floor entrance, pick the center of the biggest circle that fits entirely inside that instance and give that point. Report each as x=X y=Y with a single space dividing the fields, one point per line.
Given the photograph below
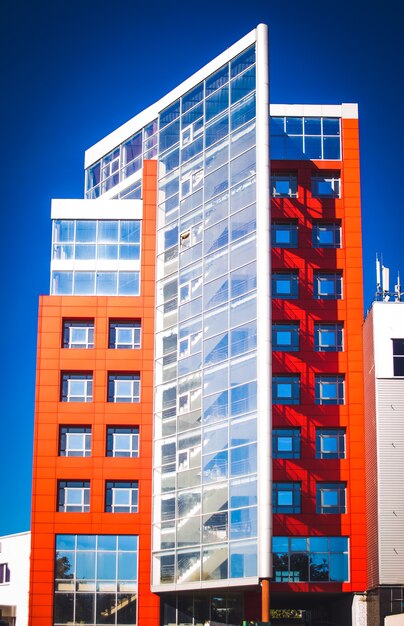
x=243 y=608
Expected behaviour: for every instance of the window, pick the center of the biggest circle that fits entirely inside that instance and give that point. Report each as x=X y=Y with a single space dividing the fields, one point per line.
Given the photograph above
x=286 y=497
x=67 y=283
x=398 y=357
x=284 y=234
x=330 y=443
x=305 y=138
x=121 y=496
x=328 y=337
x=330 y=498
x=123 y=441
x=104 y=240
x=285 y=285
x=285 y=337
x=310 y=559
x=329 y=389
x=124 y=334
x=124 y=387
x=327 y=285
x=284 y=185
x=326 y=185
x=77 y=387
x=75 y=441
x=78 y=334
x=286 y=443
x=285 y=389
x=96 y=579
x=4 y=573
x=326 y=235
x=73 y=496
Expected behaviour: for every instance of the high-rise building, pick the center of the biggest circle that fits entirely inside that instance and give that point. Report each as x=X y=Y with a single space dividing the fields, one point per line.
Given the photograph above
x=182 y=472
x=383 y=342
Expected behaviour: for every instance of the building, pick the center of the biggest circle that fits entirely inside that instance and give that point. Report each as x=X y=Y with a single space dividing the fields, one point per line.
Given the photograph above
x=154 y=365
x=14 y=579
x=383 y=340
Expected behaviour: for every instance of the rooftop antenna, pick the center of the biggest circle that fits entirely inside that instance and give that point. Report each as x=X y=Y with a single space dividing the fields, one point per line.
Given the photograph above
x=397 y=289
x=378 y=279
x=386 y=283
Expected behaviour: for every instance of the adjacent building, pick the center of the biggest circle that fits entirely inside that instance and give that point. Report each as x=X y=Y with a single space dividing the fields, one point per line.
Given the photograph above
x=199 y=416
x=383 y=338
x=14 y=579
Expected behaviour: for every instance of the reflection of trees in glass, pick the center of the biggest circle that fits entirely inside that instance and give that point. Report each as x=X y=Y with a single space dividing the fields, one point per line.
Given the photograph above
x=63 y=567
x=299 y=565
x=319 y=569
x=63 y=609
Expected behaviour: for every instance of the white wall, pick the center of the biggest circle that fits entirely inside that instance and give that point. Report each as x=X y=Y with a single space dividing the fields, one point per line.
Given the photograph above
x=15 y=551
x=388 y=324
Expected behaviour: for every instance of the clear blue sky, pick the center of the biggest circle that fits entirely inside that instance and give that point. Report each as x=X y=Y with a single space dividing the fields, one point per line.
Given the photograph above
x=74 y=70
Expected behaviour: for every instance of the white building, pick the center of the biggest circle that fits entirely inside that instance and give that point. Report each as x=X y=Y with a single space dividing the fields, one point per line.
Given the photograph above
x=384 y=417
x=14 y=579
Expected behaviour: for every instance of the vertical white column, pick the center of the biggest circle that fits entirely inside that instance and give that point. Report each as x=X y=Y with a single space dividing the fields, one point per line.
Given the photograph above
x=263 y=309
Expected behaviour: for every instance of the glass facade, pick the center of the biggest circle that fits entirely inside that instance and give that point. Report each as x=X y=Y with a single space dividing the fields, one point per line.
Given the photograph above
x=96 y=579
x=205 y=481
x=298 y=138
x=310 y=559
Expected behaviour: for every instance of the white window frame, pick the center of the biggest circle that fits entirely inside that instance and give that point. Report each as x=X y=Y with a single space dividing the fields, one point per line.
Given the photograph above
x=87 y=390
x=130 y=492
x=134 y=394
x=83 y=449
x=133 y=448
x=83 y=326
x=81 y=505
x=337 y=328
x=135 y=329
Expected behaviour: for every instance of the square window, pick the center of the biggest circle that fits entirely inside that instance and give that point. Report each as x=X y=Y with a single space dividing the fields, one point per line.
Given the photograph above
x=78 y=334
x=330 y=443
x=285 y=337
x=398 y=357
x=328 y=337
x=73 y=496
x=326 y=234
x=326 y=185
x=285 y=285
x=123 y=441
x=286 y=443
x=284 y=185
x=285 y=389
x=329 y=389
x=121 y=496
x=124 y=387
x=286 y=497
x=75 y=441
x=331 y=498
x=124 y=334
x=76 y=387
x=327 y=285
x=284 y=234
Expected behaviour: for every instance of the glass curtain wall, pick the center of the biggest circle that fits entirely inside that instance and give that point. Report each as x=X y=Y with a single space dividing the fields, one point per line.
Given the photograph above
x=205 y=456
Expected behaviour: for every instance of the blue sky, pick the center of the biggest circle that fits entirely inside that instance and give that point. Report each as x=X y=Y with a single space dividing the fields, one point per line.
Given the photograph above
x=74 y=70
